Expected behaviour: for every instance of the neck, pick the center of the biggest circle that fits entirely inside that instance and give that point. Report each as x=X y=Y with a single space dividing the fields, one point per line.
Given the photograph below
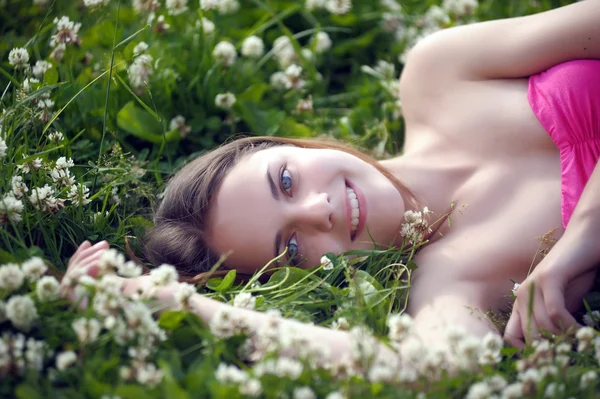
x=433 y=185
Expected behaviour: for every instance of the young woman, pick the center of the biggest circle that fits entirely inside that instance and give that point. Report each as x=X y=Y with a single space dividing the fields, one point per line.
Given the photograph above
x=502 y=117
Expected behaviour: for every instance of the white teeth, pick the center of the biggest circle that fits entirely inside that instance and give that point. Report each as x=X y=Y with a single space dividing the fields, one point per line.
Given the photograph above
x=355 y=212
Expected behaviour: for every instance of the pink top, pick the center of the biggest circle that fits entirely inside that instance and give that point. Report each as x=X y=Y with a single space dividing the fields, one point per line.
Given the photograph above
x=566 y=100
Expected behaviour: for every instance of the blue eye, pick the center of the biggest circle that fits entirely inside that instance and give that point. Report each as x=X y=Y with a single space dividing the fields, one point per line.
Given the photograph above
x=292 y=246
x=286 y=181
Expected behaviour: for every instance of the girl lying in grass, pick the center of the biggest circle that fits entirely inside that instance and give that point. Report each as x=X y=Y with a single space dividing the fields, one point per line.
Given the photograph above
x=502 y=118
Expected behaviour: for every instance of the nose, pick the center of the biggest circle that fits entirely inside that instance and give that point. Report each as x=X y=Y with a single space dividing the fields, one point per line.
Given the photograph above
x=314 y=211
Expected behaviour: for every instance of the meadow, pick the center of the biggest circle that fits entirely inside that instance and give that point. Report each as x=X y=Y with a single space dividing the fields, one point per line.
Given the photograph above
x=102 y=100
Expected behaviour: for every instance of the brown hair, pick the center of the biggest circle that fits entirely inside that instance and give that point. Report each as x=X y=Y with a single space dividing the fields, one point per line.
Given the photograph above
x=181 y=222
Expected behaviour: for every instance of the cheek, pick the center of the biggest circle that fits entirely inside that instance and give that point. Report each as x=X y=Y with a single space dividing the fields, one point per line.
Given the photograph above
x=317 y=246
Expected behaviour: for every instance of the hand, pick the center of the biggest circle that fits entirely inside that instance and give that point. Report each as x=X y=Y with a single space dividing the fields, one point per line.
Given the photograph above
x=556 y=286
x=83 y=262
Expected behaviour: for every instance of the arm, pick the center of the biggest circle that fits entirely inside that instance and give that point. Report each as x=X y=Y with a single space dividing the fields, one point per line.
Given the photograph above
x=507 y=48
x=429 y=325
x=516 y=47
x=564 y=276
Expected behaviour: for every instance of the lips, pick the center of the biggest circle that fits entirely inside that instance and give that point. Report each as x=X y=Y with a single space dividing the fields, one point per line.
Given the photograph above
x=361 y=208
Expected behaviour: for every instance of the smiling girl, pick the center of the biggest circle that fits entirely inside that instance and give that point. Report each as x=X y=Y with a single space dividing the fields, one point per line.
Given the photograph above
x=502 y=116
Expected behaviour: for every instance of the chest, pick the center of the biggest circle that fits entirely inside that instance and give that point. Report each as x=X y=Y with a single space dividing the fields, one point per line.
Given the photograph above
x=508 y=211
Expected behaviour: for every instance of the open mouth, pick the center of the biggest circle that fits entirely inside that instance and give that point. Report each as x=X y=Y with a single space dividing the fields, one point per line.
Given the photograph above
x=353 y=210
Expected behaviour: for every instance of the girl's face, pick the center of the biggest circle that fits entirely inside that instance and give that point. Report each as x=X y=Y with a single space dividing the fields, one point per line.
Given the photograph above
x=312 y=201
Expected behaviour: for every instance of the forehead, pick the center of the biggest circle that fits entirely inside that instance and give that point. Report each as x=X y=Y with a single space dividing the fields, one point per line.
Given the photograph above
x=243 y=221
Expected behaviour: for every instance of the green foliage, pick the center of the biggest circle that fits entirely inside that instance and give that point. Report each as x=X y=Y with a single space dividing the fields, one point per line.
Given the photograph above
x=113 y=112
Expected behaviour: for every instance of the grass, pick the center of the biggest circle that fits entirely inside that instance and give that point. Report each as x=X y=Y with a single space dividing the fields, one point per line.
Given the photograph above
x=119 y=136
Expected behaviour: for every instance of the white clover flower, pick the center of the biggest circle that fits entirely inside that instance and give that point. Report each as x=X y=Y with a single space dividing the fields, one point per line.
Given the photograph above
x=11 y=277
x=64 y=163
x=244 y=300
x=140 y=48
x=139 y=72
x=251 y=387
x=460 y=8
x=312 y=5
x=34 y=268
x=56 y=136
x=341 y=324
x=468 y=351
x=224 y=324
x=34 y=354
x=553 y=389
x=293 y=78
x=62 y=177
x=304 y=393
x=513 y=391
x=163 y=275
x=176 y=7
x=149 y=375
x=42 y=198
x=78 y=194
x=322 y=42
x=65 y=360
x=225 y=100
x=21 y=311
x=224 y=52
x=161 y=25
x=414 y=227
x=278 y=80
x=10 y=209
x=145 y=5
x=435 y=16
x=184 y=294
x=45 y=104
x=228 y=6
x=306 y=105
x=338 y=7
x=226 y=374
x=110 y=261
x=253 y=47
x=66 y=32
x=129 y=269
x=493 y=342
x=388 y=71
x=207 y=5
x=479 y=390
x=496 y=382
x=335 y=395
x=391 y=5
x=3 y=148
x=208 y=26
x=326 y=263
x=592 y=319
x=18 y=58
x=40 y=68
x=284 y=51
x=399 y=326
x=47 y=289
x=515 y=288
x=95 y=3
x=584 y=335
x=178 y=123
x=307 y=54
x=588 y=379
x=87 y=330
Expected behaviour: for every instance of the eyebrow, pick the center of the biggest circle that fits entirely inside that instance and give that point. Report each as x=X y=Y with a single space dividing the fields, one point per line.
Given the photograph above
x=275 y=195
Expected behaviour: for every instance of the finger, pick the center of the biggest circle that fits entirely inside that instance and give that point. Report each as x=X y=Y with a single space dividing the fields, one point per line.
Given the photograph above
x=91 y=264
x=83 y=246
x=557 y=311
x=513 y=333
x=76 y=259
x=540 y=314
